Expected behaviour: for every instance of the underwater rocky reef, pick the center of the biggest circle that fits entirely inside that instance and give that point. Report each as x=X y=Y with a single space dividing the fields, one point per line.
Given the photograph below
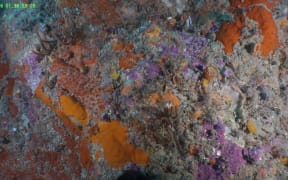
x=144 y=89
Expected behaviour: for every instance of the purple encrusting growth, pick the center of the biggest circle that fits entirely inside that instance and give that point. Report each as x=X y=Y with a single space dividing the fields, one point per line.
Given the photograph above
x=232 y=154
x=188 y=73
x=172 y=50
x=127 y=100
x=32 y=113
x=133 y=74
x=227 y=164
x=152 y=70
x=220 y=63
x=199 y=65
x=194 y=45
x=220 y=130
x=207 y=131
x=213 y=28
x=230 y=159
x=252 y=154
x=214 y=131
x=206 y=172
x=33 y=76
x=162 y=49
x=227 y=73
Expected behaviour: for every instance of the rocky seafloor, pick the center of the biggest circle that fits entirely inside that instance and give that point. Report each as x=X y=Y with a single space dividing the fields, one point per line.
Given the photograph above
x=144 y=89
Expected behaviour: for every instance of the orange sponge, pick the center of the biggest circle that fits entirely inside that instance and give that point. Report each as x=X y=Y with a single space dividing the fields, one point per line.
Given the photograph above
x=129 y=60
x=230 y=33
x=268 y=28
x=240 y=3
x=154 y=98
x=169 y=96
x=117 y=152
x=71 y=107
x=42 y=96
x=257 y=10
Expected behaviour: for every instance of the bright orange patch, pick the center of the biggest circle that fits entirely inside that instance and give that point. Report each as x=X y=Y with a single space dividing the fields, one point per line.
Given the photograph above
x=154 y=98
x=48 y=101
x=268 y=28
x=240 y=3
x=71 y=107
x=68 y=123
x=284 y=161
x=42 y=96
x=117 y=152
x=169 y=96
x=196 y=114
x=230 y=33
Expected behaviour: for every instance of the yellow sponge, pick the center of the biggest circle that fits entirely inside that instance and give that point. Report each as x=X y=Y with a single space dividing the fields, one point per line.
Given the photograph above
x=251 y=126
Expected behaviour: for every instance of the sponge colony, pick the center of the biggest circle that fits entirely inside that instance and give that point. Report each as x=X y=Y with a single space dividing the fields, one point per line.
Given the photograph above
x=72 y=108
x=268 y=28
x=117 y=152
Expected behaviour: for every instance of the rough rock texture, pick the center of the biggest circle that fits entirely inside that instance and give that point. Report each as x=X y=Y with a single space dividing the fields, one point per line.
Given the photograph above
x=156 y=89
